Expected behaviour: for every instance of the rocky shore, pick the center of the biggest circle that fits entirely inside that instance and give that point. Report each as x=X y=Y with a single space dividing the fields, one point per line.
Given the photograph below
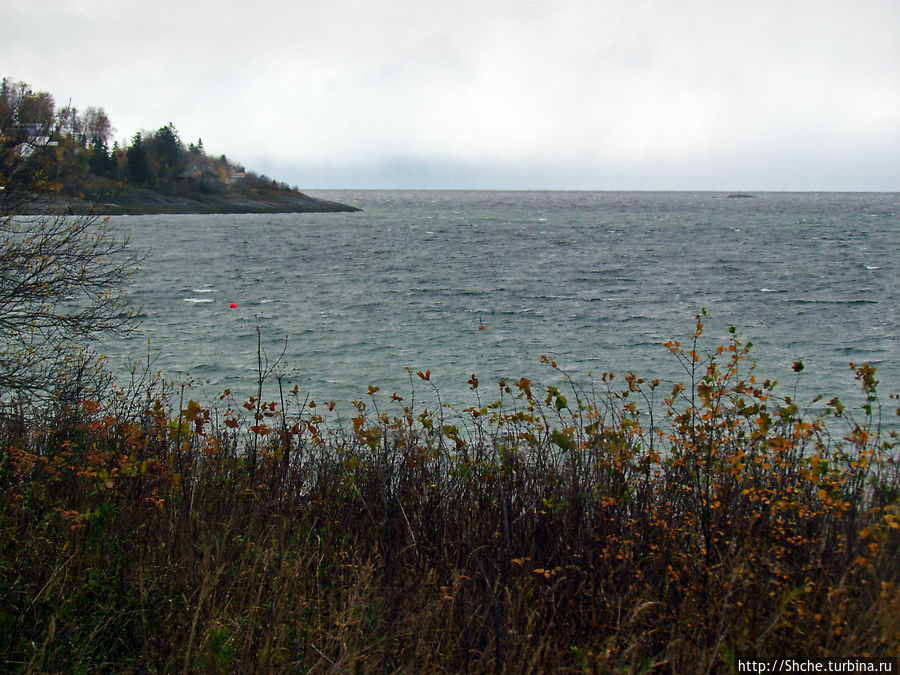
x=139 y=201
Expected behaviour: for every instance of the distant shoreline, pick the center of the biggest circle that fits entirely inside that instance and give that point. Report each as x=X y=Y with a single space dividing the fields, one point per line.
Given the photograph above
x=137 y=201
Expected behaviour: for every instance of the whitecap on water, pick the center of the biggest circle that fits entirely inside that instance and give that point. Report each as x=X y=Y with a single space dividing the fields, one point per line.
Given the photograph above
x=198 y=300
x=871 y=267
x=203 y=290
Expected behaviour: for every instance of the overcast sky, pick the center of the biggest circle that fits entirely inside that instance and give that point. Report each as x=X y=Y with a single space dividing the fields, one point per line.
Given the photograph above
x=556 y=94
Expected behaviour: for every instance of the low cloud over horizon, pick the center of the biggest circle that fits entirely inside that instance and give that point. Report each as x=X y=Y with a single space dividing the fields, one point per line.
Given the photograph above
x=788 y=95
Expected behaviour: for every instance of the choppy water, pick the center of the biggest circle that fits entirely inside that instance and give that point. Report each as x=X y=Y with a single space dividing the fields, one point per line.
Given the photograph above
x=597 y=280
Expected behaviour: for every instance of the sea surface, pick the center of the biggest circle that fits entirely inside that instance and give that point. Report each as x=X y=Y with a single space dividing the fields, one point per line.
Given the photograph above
x=595 y=280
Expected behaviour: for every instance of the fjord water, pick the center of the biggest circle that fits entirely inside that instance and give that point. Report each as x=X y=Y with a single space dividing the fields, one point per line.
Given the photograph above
x=597 y=280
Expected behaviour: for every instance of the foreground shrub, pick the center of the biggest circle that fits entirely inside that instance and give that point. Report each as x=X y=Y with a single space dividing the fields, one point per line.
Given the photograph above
x=608 y=528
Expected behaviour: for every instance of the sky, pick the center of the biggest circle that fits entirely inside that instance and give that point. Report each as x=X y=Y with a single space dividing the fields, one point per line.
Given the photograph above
x=494 y=94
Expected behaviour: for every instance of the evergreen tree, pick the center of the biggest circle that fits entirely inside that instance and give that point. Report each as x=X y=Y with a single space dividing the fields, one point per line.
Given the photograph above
x=101 y=162
x=168 y=153
x=136 y=167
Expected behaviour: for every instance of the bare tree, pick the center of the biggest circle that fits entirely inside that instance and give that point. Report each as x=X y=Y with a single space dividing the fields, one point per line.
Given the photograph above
x=96 y=126
x=62 y=278
x=62 y=283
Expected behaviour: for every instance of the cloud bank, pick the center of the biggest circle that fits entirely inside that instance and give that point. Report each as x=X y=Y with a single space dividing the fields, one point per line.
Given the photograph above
x=560 y=94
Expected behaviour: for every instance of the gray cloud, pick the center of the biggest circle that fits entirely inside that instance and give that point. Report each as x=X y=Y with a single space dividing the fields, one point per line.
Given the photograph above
x=540 y=93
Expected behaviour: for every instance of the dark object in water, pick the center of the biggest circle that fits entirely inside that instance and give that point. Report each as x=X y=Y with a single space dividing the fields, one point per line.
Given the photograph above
x=740 y=195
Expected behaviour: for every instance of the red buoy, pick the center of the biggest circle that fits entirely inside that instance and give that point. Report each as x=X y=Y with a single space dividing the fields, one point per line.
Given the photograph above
x=233 y=305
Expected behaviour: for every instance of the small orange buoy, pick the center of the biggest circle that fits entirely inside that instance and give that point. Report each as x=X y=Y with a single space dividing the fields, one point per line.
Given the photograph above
x=482 y=328
x=233 y=305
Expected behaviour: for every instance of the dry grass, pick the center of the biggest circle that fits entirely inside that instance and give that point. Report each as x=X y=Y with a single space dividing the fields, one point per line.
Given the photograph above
x=610 y=529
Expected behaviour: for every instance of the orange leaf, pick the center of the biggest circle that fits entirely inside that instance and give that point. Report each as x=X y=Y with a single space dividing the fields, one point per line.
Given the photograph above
x=90 y=406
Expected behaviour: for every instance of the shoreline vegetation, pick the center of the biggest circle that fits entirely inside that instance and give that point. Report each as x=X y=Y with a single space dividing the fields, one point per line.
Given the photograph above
x=611 y=527
x=600 y=526
x=61 y=161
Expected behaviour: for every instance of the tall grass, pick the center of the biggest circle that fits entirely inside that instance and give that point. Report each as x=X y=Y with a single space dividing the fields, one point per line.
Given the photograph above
x=611 y=527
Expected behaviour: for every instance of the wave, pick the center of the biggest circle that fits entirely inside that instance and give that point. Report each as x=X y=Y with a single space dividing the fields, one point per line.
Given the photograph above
x=814 y=301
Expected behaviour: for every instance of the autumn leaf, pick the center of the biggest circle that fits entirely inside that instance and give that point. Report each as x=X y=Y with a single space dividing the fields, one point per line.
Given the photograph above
x=90 y=406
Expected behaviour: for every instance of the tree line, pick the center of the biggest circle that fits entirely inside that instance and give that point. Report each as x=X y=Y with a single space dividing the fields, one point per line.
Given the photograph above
x=72 y=152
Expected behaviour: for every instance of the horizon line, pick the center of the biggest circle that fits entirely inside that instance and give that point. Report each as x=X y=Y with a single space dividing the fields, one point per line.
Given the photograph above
x=611 y=190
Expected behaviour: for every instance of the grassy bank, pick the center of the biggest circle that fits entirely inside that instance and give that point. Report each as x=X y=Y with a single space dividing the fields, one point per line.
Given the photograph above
x=607 y=528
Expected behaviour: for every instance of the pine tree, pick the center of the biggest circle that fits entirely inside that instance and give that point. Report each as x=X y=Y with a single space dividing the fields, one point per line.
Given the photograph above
x=136 y=167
